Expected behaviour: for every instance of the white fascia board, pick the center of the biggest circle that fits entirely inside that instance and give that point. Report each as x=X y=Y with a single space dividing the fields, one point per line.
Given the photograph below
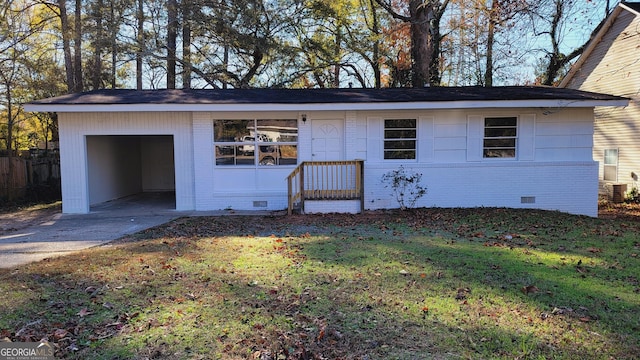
x=628 y=9
x=323 y=106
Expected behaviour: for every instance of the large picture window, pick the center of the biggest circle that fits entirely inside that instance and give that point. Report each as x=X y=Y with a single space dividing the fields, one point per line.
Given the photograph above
x=400 y=139
x=259 y=142
x=500 y=136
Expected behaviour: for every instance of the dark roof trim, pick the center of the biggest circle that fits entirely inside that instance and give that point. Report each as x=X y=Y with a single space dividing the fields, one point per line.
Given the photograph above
x=319 y=99
x=317 y=96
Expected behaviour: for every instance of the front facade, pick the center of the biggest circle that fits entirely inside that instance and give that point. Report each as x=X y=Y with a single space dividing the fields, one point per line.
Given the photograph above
x=473 y=149
x=611 y=64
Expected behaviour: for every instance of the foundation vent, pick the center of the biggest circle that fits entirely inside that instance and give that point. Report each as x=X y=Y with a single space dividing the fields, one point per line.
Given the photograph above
x=527 y=200
x=259 y=204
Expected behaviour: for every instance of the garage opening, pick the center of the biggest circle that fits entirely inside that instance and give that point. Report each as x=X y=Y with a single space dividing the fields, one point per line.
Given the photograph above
x=138 y=167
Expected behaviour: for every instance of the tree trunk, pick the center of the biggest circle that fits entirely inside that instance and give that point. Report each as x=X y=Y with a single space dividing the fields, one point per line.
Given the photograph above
x=172 y=34
x=493 y=14
x=96 y=77
x=555 y=62
x=377 y=73
x=421 y=14
x=186 y=44
x=336 y=54
x=114 y=45
x=140 y=41
x=225 y=64
x=434 y=72
x=10 y=170
x=66 y=45
x=77 y=49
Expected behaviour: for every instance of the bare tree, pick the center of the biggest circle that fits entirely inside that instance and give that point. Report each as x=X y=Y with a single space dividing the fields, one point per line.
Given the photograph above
x=552 y=20
x=499 y=15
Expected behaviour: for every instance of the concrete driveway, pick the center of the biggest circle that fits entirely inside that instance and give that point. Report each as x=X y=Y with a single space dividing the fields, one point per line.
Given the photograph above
x=62 y=234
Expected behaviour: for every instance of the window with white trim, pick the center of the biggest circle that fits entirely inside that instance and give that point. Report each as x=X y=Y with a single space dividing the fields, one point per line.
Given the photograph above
x=257 y=142
x=400 y=138
x=500 y=137
x=610 y=165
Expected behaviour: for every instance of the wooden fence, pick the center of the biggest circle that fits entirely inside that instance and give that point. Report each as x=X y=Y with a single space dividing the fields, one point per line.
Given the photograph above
x=27 y=173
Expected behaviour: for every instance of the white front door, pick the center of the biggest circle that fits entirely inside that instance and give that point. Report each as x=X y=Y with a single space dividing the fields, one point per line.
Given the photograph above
x=327 y=140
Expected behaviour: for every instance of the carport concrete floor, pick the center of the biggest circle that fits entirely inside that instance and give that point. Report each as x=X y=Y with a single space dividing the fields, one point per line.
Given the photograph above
x=65 y=233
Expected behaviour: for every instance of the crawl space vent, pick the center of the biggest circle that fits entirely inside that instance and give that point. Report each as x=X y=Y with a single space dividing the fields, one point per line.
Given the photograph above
x=260 y=204
x=527 y=200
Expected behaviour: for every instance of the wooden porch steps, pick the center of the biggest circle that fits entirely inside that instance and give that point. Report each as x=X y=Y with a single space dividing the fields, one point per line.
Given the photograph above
x=325 y=180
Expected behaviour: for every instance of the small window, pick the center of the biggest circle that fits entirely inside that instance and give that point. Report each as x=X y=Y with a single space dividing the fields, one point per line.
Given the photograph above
x=400 y=139
x=611 y=165
x=256 y=142
x=500 y=135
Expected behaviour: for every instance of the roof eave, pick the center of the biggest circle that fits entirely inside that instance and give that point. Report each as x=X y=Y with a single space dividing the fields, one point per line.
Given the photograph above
x=379 y=106
x=624 y=5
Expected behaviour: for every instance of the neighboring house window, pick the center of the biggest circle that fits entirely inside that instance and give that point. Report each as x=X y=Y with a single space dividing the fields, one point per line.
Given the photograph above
x=400 y=139
x=258 y=142
x=500 y=135
x=611 y=165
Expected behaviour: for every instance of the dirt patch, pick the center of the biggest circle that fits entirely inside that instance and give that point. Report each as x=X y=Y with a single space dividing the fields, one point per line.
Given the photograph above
x=624 y=211
x=12 y=220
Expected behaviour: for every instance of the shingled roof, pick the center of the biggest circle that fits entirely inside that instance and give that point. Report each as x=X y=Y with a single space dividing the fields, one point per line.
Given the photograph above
x=292 y=99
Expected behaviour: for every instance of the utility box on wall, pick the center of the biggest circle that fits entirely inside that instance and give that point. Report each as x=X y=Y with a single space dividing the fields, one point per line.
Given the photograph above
x=618 y=192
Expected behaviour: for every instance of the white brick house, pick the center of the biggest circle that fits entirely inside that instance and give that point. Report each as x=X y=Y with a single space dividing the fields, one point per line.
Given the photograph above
x=519 y=147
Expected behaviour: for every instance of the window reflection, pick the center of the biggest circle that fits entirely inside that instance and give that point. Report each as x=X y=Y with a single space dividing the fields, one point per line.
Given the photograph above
x=263 y=142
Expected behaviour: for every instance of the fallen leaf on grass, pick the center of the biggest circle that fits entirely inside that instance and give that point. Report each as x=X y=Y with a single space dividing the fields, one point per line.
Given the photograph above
x=59 y=333
x=581 y=269
x=425 y=312
x=126 y=317
x=84 y=312
x=462 y=293
x=594 y=250
x=529 y=289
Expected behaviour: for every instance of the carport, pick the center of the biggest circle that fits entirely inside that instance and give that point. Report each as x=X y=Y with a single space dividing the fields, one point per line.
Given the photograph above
x=119 y=166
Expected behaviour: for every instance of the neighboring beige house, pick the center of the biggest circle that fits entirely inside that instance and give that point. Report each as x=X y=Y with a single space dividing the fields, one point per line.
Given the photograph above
x=611 y=64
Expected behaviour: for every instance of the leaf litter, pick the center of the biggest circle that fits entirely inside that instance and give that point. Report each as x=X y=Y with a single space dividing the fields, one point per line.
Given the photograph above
x=335 y=286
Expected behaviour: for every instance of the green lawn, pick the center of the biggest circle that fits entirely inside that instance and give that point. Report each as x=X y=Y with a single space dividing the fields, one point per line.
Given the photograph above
x=418 y=284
